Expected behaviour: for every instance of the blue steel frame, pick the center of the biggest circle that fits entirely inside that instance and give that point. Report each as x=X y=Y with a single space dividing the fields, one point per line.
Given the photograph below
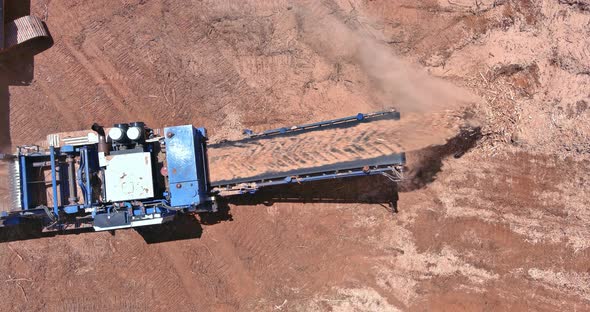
x=253 y=186
x=55 y=216
x=54 y=181
x=24 y=182
x=360 y=117
x=187 y=165
x=88 y=186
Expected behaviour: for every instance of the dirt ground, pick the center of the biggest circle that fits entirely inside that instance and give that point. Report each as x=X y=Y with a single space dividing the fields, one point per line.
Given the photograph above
x=495 y=219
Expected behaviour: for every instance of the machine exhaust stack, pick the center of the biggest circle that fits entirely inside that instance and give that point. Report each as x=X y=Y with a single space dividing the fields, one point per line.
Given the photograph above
x=103 y=146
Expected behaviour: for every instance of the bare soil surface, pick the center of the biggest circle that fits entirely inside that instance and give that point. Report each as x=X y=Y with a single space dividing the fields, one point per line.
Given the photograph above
x=494 y=219
x=4 y=188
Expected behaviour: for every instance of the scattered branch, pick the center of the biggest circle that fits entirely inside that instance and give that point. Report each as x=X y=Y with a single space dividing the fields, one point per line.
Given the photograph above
x=16 y=252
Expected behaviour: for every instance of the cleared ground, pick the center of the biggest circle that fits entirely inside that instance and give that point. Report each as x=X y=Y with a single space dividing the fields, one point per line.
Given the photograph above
x=496 y=219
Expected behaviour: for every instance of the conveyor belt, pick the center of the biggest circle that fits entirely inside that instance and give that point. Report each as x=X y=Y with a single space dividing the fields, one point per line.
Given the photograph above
x=324 y=149
x=342 y=167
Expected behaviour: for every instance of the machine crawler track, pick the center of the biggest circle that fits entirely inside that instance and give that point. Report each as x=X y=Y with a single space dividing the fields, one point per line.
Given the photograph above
x=27 y=33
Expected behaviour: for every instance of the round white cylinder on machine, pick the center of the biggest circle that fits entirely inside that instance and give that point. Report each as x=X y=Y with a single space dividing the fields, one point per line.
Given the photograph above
x=116 y=134
x=134 y=133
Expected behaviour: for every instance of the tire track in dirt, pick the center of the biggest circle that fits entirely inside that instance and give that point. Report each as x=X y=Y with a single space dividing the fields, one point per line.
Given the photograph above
x=115 y=96
x=95 y=55
x=161 y=275
x=213 y=261
x=190 y=284
x=61 y=102
x=256 y=244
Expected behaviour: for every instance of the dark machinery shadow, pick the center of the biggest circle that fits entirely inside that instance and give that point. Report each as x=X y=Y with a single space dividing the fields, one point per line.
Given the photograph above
x=17 y=66
x=360 y=190
x=221 y=215
x=32 y=230
x=368 y=189
x=5 y=140
x=14 y=70
x=426 y=163
x=184 y=226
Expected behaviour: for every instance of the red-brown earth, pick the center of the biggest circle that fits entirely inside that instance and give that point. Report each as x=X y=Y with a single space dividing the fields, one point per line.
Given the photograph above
x=496 y=219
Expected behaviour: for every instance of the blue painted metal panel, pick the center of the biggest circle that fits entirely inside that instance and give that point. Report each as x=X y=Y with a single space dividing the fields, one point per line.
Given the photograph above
x=71 y=209
x=185 y=194
x=67 y=149
x=24 y=182
x=88 y=186
x=395 y=115
x=180 y=153
x=186 y=166
x=54 y=181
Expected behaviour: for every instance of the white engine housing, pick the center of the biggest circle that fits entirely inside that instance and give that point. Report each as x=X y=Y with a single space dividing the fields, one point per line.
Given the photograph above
x=129 y=177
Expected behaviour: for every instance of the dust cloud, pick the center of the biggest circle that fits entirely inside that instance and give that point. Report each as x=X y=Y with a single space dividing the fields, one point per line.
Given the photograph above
x=391 y=80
